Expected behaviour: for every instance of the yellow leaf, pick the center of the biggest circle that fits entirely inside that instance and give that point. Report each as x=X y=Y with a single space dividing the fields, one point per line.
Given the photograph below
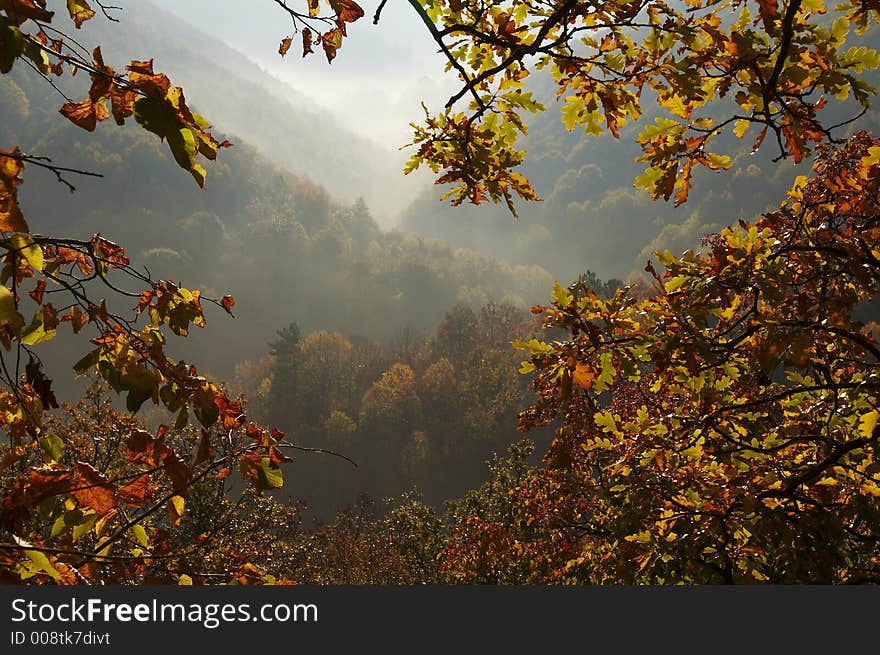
x=103 y=522
x=176 y=506
x=32 y=253
x=583 y=376
x=867 y=422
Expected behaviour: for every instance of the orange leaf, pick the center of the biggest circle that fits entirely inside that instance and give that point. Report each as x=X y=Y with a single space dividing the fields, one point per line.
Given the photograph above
x=331 y=41
x=91 y=489
x=11 y=218
x=285 y=46
x=85 y=114
x=138 y=490
x=583 y=376
x=347 y=10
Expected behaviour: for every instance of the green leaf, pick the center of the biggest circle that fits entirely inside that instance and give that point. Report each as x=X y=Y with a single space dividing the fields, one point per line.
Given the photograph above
x=718 y=162
x=31 y=252
x=182 y=419
x=199 y=174
x=136 y=398
x=534 y=346
x=606 y=375
x=36 y=332
x=526 y=368
x=38 y=562
x=53 y=446
x=184 y=146
x=674 y=284
x=87 y=362
x=141 y=535
x=561 y=295
x=8 y=313
x=606 y=421
x=270 y=475
x=83 y=527
x=12 y=45
x=79 y=11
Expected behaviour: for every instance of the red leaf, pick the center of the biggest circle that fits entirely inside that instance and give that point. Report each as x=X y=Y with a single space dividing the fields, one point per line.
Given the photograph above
x=37 y=294
x=139 y=490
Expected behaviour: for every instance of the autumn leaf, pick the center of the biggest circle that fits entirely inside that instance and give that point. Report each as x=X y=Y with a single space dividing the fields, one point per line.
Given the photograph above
x=92 y=489
x=11 y=167
x=583 y=376
x=307 y=41
x=177 y=471
x=37 y=293
x=85 y=114
x=80 y=11
x=22 y=10
x=138 y=491
x=230 y=412
x=331 y=42
x=176 y=507
x=346 y=10
x=285 y=45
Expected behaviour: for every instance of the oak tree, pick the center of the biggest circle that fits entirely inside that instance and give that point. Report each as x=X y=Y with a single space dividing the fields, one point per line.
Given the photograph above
x=721 y=427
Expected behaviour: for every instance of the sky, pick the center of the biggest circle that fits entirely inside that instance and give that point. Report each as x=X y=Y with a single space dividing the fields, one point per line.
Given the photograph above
x=376 y=83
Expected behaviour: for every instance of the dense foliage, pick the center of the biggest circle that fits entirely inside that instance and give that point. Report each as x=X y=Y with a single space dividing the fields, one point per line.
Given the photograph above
x=423 y=411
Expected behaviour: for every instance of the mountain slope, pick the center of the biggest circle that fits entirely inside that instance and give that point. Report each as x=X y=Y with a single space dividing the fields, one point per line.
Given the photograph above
x=246 y=103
